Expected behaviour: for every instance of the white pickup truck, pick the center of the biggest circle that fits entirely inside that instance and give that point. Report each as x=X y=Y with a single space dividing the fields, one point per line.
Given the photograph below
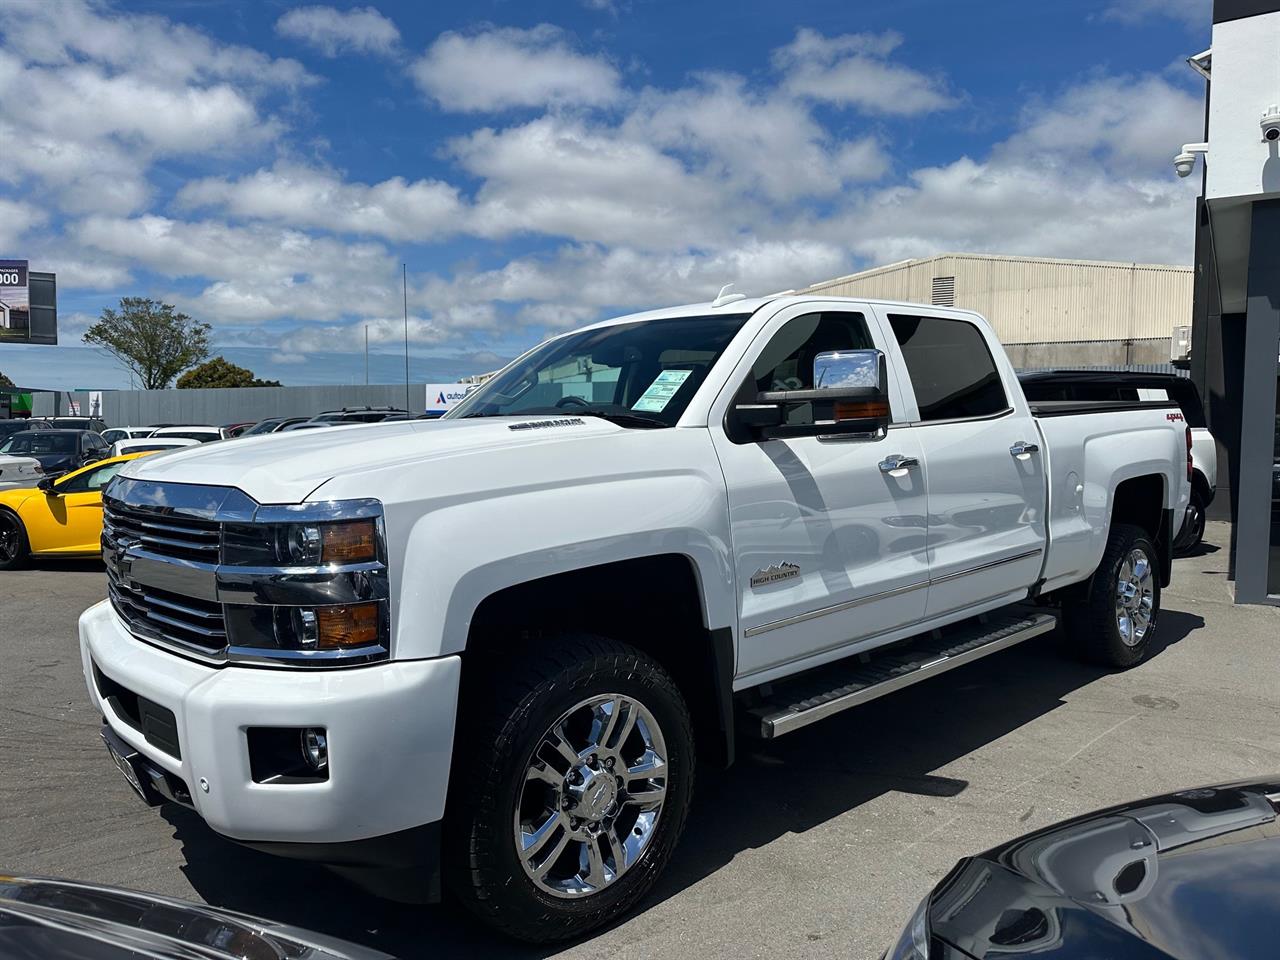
x=486 y=651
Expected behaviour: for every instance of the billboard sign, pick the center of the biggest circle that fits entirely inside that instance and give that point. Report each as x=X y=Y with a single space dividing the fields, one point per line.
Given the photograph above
x=442 y=397
x=15 y=300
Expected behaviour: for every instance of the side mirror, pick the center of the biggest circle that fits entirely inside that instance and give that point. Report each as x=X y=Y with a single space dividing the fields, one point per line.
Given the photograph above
x=46 y=484
x=849 y=396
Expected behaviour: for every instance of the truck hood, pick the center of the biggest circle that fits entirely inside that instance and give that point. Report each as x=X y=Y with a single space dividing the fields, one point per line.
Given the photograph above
x=287 y=467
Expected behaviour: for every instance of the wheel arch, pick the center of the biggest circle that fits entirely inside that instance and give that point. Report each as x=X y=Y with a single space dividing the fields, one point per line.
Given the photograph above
x=1140 y=501
x=654 y=603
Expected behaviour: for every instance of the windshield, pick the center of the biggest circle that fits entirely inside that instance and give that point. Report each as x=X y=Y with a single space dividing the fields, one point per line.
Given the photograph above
x=266 y=426
x=40 y=443
x=203 y=436
x=639 y=374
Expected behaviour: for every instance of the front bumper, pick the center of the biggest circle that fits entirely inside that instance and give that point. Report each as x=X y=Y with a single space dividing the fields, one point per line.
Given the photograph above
x=390 y=733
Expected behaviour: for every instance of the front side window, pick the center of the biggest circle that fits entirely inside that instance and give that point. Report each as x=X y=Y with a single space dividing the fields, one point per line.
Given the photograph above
x=88 y=480
x=951 y=368
x=639 y=374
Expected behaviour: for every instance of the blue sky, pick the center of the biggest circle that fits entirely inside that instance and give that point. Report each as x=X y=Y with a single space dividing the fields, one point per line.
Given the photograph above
x=268 y=166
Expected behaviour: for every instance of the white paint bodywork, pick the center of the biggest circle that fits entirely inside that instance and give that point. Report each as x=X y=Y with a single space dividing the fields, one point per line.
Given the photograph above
x=19 y=472
x=472 y=507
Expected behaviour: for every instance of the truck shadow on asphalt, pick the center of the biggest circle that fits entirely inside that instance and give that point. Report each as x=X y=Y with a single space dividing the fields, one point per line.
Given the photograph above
x=803 y=780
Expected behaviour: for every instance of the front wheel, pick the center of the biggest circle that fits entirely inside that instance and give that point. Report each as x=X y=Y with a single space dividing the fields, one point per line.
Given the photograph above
x=571 y=789
x=1114 y=624
x=13 y=542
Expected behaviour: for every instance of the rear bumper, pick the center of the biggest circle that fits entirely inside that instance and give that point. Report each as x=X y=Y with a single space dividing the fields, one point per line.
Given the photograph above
x=389 y=728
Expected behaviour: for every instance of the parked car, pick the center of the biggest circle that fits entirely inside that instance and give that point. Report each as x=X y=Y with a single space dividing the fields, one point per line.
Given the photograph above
x=318 y=425
x=230 y=430
x=96 y=424
x=112 y=434
x=202 y=433
x=19 y=472
x=57 y=450
x=65 y=920
x=757 y=514
x=56 y=518
x=1189 y=874
x=272 y=425
x=357 y=415
x=1159 y=388
x=9 y=427
x=150 y=445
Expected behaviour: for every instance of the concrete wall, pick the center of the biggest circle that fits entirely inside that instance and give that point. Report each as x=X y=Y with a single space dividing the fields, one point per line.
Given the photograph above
x=141 y=407
x=1098 y=353
x=1036 y=301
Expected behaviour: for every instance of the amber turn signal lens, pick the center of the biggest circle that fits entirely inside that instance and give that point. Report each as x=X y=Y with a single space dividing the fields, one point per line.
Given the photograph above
x=863 y=410
x=352 y=542
x=348 y=625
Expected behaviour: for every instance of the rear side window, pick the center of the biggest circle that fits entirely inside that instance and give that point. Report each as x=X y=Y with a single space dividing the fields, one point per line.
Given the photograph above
x=951 y=369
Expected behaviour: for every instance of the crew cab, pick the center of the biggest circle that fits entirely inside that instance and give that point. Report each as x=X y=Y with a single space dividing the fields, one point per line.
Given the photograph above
x=487 y=651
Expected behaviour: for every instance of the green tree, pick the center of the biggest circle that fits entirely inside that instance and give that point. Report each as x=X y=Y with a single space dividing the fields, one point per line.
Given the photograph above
x=151 y=339
x=220 y=372
x=5 y=381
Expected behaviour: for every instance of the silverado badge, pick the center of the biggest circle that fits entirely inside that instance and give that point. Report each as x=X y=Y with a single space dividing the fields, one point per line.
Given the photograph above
x=775 y=573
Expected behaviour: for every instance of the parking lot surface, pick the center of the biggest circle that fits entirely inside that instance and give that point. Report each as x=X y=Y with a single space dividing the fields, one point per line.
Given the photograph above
x=815 y=845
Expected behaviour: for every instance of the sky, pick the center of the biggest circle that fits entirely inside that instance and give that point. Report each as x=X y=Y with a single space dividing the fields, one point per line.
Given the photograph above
x=268 y=167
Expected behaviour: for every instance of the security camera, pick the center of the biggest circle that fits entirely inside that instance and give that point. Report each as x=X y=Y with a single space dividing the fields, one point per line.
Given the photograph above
x=1270 y=124
x=1185 y=162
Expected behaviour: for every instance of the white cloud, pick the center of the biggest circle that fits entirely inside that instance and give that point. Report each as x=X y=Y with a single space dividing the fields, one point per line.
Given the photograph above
x=95 y=97
x=1194 y=13
x=334 y=32
x=17 y=217
x=853 y=70
x=507 y=67
x=302 y=196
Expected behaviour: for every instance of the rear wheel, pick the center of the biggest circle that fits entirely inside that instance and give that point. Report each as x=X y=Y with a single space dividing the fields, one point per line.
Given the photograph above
x=1114 y=624
x=13 y=542
x=570 y=790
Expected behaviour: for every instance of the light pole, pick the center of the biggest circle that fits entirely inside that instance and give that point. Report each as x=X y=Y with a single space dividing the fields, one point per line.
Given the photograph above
x=404 y=280
x=366 y=354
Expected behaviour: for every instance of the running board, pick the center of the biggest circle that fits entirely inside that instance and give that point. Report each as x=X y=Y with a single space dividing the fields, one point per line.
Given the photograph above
x=823 y=691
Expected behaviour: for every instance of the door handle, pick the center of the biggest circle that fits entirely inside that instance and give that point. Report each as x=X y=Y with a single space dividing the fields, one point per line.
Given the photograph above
x=896 y=465
x=1023 y=450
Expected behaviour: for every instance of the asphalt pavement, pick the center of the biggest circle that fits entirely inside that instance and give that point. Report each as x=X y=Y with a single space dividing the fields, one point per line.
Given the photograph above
x=815 y=845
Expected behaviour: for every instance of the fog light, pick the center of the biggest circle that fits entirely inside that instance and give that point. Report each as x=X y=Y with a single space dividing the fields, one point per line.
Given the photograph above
x=315 y=748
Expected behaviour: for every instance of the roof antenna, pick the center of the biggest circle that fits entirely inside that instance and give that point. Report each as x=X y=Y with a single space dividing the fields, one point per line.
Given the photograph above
x=724 y=296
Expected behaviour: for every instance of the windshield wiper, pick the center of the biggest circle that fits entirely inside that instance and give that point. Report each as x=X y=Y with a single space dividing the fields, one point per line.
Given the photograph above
x=621 y=419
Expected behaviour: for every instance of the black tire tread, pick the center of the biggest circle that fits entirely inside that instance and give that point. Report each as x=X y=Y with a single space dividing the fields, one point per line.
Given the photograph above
x=24 y=544
x=473 y=873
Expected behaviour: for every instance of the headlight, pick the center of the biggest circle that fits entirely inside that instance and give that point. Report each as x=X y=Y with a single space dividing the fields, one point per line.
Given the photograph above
x=913 y=942
x=301 y=544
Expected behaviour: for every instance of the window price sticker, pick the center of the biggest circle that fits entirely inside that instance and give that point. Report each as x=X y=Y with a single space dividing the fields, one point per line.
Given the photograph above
x=660 y=392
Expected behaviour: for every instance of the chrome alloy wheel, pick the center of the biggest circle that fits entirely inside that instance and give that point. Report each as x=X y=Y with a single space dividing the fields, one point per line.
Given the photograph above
x=592 y=796
x=1135 y=597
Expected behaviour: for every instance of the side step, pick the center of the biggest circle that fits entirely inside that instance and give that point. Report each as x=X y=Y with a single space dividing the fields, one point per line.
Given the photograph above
x=818 y=693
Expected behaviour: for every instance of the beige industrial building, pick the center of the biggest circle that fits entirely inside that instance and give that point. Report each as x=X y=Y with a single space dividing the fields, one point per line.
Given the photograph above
x=1048 y=313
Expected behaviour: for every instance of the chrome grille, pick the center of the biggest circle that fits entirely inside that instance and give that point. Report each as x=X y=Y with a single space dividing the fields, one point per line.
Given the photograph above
x=160 y=615
x=183 y=537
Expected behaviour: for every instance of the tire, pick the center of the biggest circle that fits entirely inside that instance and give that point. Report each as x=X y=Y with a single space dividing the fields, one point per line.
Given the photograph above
x=510 y=785
x=1192 y=531
x=14 y=548
x=1103 y=624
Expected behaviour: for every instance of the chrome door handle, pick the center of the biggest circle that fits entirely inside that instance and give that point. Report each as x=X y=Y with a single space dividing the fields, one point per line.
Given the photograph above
x=896 y=465
x=1023 y=450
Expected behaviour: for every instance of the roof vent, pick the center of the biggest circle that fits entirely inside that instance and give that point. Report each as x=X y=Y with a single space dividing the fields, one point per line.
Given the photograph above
x=944 y=292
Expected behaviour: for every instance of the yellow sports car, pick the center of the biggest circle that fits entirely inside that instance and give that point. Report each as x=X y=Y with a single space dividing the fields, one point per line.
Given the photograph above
x=58 y=518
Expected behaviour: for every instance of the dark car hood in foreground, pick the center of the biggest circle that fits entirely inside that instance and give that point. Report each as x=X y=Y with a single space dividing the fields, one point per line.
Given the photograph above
x=1189 y=875
x=61 y=920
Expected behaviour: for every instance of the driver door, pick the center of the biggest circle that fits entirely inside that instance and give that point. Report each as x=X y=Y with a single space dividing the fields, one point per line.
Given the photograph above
x=69 y=519
x=829 y=546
